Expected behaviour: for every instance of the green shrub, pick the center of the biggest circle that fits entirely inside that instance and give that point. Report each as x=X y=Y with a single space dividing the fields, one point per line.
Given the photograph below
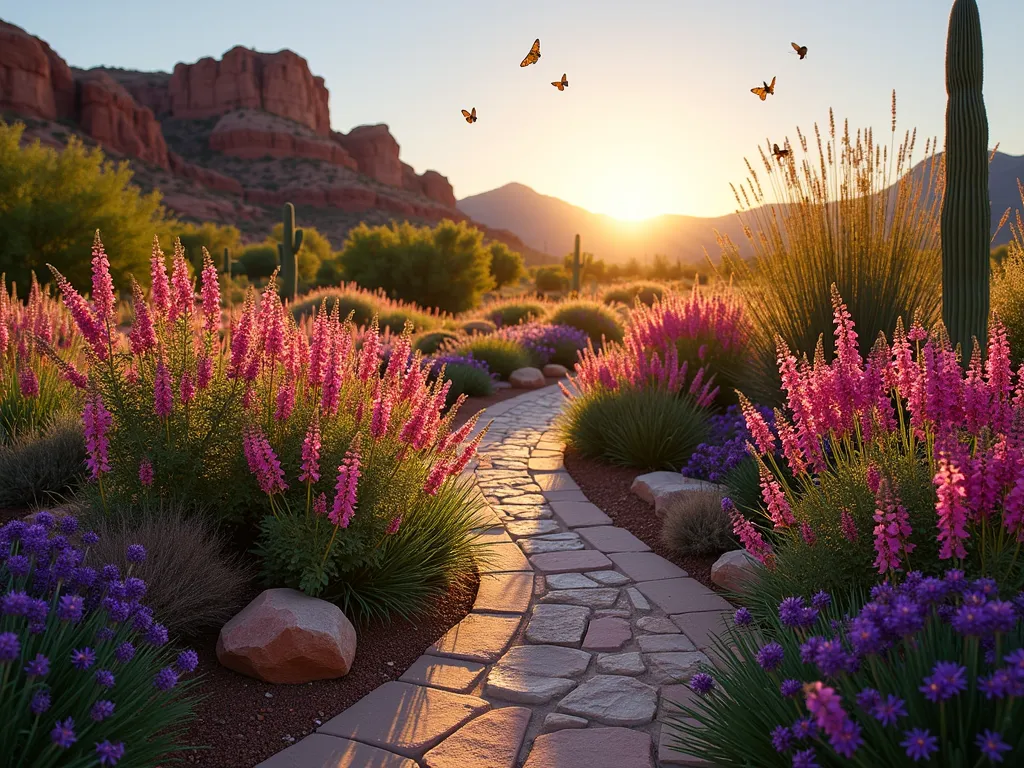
x=40 y=467
x=591 y=317
x=468 y=380
x=1008 y=291
x=628 y=294
x=515 y=312
x=446 y=267
x=51 y=203
x=506 y=265
x=647 y=428
x=479 y=327
x=258 y=261
x=428 y=343
x=193 y=584
x=364 y=305
x=696 y=524
x=551 y=279
x=502 y=356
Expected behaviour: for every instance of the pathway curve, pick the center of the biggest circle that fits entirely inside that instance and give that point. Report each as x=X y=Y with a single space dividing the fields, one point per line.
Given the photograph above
x=578 y=637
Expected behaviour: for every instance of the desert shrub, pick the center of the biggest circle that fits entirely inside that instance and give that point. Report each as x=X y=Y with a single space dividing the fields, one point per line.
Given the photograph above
x=192 y=583
x=478 y=327
x=696 y=524
x=506 y=265
x=258 y=261
x=468 y=376
x=551 y=279
x=428 y=343
x=501 y=356
x=1008 y=288
x=245 y=426
x=545 y=344
x=645 y=293
x=514 y=312
x=41 y=466
x=915 y=675
x=88 y=677
x=871 y=228
x=209 y=235
x=591 y=317
x=329 y=272
x=364 y=306
x=446 y=267
x=52 y=201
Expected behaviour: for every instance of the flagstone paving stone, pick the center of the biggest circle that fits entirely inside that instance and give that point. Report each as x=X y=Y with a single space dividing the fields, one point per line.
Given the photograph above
x=451 y=674
x=478 y=637
x=591 y=748
x=608 y=538
x=579 y=513
x=504 y=592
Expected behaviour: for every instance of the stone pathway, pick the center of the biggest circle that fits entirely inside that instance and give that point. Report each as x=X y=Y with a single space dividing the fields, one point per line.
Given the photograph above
x=578 y=637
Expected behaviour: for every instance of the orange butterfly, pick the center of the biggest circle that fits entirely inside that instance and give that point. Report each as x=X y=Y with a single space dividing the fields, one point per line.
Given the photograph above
x=801 y=49
x=561 y=84
x=779 y=153
x=533 y=55
x=470 y=116
x=763 y=92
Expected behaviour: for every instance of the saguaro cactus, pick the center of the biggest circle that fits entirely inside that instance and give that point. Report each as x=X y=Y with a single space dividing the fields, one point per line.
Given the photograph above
x=576 y=266
x=288 y=250
x=965 y=208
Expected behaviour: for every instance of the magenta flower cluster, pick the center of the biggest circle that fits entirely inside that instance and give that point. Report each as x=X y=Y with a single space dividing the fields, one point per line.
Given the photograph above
x=715 y=318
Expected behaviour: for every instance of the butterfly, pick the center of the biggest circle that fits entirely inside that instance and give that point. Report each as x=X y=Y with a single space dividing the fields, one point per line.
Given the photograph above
x=779 y=153
x=801 y=49
x=533 y=55
x=561 y=84
x=470 y=116
x=763 y=92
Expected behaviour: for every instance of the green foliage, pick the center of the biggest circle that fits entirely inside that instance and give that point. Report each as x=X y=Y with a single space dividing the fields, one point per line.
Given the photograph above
x=478 y=327
x=27 y=415
x=364 y=306
x=194 y=237
x=315 y=257
x=506 y=265
x=965 y=205
x=467 y=380
x=695 y=524
x=647 y=428
x=647 y=293
x=551 y=279
x=428 y=343
x=370 y=574
x=446 y=267
x=42 y=465
x=192 y=583
x=591 y=317
x=329 y=272
x=591 y=270
x=258 y=262
x=503 y=356
x=515 y=312
x=1008 y=291
x=51 y=204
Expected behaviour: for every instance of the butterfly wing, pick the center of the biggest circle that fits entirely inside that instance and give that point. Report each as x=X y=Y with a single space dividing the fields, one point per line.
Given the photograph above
x=771 y=88
x=795 y=47
x=775 y=149
x=468 y=115
x=474 y=114
x=565 y=81
x=759 y=91
x=533 y=55
x=558 y=85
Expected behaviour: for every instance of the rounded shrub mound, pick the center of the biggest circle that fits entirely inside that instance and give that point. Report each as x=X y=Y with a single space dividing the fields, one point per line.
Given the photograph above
x=696 y=524
x=87 y=675
x=515 y=312
x=502 y=356
x=468 y=376
x=591 y=317
x=39 y=467
x=479 y=327
x=365 y=305
x=428 y=343
x=559 y=344
x=646 y=293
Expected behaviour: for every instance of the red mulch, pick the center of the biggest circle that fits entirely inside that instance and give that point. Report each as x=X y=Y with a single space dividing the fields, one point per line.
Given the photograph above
x=244 y=721
x=609 y=488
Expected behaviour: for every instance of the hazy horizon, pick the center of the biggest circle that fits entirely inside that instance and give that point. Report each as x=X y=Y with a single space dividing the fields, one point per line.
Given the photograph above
x=658 y=115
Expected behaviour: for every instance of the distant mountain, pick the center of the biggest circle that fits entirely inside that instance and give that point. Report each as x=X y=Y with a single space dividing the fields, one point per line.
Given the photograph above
x=550 y=224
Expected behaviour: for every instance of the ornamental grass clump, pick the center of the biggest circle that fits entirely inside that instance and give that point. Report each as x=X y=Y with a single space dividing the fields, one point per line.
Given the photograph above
x=502 y=355
x=391 y=314
x=901 y=460
x=633 y=408
x=645 y=293
x=467 y=375
x=599 y=322
x=560 y=344
x=282 y=432
x=929 y=670
x=515 y=311
x=86 y=674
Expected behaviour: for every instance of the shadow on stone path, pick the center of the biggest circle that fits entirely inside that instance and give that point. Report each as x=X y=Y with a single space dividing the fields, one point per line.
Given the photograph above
x=578 y=637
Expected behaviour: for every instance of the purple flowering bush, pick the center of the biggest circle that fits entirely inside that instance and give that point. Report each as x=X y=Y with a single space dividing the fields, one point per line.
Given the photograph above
x=86 y=675
x=560 y=344
x=468 y=376
x=929 y=671
x=501 y=355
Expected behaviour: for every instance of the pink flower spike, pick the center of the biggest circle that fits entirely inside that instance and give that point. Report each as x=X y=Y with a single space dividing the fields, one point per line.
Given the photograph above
x=346 y=488
x=285 y=401
x=146 y=472
x=952 y=510
x=142 y=336
x=393 y=526
x=96 y=422
x=187 y=387
x=182 y=296
x=320 y=505
x=103 y=297
x=211 y=295
x=436 y=478
x=311 y=452
x=28 y=383
x=751 y=538
x=775 y=500
x=161 y=289
x=163 y=399
x=204 y=372
x=758 y=427
x=848 y=526
x=82 y=315
x=381 y=414
x=263 y=462
x=809 y=537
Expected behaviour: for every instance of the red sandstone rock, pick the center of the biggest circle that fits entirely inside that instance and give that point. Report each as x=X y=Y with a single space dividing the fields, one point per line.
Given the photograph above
x=150 y=89
x=279 y=83
x=283 y=636
x=376 y=152
x=251 y=134
x=112 y=117
x=204 y=176
x=33 y=79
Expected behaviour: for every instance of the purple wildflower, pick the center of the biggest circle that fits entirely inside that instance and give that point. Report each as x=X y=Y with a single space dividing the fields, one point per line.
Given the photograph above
x=770 y=656
x=947 y=680
x=38 y=667
x=63 y=734
x=821 y=599
x=992 y=745
x=805 y=758
x=18 y=565
x=868 y=698
x=109 y=754
x=40 y=702
x=919 y=743
x=742 y=618
x=70 y=608
x=125 y=652
x=165 y=679
x=104 y=678
x=847 y=739
x=10 y=647
x=101 y=710
x=782 y=738
x=89 y=538
x=136 y=553
x=187 y=661
x=889 y=710
x=83 y=658
x=156 y=634
x=804 y=728
x=790 y=687
x=702 y=683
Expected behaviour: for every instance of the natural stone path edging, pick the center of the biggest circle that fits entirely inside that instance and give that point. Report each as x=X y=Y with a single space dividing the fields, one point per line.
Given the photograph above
x=578 y=637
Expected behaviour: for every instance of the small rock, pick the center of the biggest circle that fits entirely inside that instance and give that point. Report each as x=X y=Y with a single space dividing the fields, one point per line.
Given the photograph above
x=620 y=664
x=545 y=661
x=735 y=570
x=526 y=378
x=607 y=634
x=609 y=578
x=526 y=689
x=658 y=625
x=555 y=371
x=595 y=598
x=557 y=624
x=659 y=488
x=555 y=721
x=612 y=700
x=532 y=528
x=540 y=544
x=638 y=600
x=569 y=581
x=665 y=643
x=675 y=667
x=621 y=613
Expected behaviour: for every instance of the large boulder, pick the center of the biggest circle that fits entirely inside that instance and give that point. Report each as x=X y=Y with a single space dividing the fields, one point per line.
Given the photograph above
x=658 y=488
x=526 y=378
x=735 y=570
x=555 y=371
x=284 y=636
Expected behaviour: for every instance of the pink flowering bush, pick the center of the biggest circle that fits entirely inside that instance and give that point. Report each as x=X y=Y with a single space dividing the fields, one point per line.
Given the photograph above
x=346 y=471
x=902 y=461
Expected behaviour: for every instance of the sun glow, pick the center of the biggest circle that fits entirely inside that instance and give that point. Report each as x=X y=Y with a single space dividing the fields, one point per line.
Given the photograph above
x=628 y=199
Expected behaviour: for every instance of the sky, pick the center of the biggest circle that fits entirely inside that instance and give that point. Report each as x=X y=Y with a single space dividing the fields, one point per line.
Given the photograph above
x=658 y=116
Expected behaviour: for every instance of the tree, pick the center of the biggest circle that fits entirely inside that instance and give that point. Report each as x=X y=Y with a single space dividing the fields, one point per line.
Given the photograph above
x=506 y=265
x=52 y=202
x=446 y=267
x=258 y=261
x=551 y=279
x=315 y=250
x=194 y=237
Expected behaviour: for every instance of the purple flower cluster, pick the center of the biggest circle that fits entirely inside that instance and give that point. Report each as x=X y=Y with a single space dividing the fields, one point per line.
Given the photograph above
x=467 y=360
x=886 y=630
x=52 y=592
x=544 y=342
x=726 y=446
